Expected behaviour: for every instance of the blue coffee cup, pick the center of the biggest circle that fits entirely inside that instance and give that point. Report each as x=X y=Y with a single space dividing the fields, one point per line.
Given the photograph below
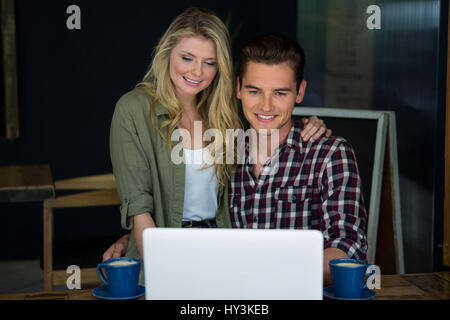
x=348 y=277
x=122 y=276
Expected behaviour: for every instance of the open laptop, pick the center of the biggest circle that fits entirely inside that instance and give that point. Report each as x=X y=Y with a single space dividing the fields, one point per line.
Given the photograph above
x=232 y=264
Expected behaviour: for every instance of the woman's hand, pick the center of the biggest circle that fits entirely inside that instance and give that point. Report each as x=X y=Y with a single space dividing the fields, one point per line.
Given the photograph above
x=314 y=128
x=118 y=249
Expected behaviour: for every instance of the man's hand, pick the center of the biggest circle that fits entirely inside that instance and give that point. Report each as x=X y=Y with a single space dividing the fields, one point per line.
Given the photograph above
x=118 y=249
x=314 y=128
x=328 y=255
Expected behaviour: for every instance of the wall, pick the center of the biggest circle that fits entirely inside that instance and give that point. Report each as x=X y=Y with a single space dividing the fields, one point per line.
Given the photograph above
x=399 y=67
x=69 y=82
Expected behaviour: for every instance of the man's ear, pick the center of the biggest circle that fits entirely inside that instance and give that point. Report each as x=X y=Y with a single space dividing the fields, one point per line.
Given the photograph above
x=301 y=92
x=238 y=88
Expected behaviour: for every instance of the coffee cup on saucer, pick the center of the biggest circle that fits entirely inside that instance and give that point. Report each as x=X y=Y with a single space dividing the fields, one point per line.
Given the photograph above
x=121 y=276
x=348 y=278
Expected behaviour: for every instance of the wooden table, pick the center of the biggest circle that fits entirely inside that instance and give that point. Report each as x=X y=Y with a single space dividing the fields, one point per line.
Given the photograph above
x=429 y=286
x=26 y=183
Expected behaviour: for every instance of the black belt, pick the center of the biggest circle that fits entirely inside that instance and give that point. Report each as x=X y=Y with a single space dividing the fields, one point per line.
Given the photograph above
x=199 y=224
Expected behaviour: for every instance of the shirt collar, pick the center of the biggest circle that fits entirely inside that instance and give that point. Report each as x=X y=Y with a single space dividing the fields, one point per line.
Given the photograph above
x=293 y=140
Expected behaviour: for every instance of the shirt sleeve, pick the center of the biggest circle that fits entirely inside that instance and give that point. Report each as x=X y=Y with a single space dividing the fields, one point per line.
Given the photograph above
x=130 y=165
x=343 y=216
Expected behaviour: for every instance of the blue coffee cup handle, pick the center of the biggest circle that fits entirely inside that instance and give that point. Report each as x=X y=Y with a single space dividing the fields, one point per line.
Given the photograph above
x=369 y=278
x=100 y=273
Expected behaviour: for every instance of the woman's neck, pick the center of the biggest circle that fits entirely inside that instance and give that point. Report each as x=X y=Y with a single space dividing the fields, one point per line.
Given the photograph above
x=188 y=102
x=188 y=121
x=192 y=122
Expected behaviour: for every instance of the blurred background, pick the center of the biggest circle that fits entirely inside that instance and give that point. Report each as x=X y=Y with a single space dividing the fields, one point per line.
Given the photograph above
x=70 y=80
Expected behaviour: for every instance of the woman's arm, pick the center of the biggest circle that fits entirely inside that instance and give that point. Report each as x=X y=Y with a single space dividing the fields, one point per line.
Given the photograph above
x=140 y=223
x=131 y=168
x=118 y=248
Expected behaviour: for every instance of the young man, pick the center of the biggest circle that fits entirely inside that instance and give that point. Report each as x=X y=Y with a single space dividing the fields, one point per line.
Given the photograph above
x=316 y=185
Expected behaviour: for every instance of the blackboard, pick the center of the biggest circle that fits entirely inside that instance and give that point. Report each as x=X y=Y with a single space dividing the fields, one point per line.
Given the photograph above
x=360 y=133
x=366 y=130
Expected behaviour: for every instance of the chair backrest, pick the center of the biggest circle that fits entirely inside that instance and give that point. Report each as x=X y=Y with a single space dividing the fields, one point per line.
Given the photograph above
x=96 y=191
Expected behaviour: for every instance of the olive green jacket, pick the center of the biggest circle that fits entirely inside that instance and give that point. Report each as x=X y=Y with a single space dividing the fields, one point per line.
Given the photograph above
x=147 y=180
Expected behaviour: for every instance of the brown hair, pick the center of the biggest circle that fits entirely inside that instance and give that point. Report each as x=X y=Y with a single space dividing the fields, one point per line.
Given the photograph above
x=273 y=49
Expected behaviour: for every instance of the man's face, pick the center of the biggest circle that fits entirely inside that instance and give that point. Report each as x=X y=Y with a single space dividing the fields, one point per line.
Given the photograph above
x=268 y=94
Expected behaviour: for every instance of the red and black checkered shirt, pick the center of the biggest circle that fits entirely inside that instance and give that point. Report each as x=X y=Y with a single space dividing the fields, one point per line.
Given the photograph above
x=317 y=186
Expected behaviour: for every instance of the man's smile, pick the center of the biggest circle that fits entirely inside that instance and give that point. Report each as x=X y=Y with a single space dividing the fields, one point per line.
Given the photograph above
x=265 y=118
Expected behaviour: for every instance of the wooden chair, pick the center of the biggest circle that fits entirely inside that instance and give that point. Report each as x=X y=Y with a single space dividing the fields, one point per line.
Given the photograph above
x=103 y=193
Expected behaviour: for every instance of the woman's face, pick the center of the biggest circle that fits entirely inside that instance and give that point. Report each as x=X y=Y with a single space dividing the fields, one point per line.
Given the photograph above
x=193 y=66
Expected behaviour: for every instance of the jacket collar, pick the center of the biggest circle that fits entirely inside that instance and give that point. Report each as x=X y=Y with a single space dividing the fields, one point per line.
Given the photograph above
x=159 y=109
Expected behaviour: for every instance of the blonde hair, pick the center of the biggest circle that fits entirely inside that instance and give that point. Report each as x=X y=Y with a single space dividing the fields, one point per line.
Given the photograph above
x=216 y=104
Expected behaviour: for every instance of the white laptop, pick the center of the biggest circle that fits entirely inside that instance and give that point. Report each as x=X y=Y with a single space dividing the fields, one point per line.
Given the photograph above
x=232 y=264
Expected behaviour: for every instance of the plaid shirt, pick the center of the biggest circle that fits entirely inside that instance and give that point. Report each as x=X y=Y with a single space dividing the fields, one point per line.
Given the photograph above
x=317 y=186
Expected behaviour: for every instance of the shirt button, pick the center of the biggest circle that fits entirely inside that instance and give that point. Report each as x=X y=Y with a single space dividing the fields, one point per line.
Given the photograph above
x=294 y=198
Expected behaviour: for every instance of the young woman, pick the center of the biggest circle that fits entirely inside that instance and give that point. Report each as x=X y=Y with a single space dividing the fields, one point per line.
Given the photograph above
x=188 y=90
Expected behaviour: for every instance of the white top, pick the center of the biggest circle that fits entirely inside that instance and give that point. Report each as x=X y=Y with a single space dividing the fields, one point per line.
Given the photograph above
x=201 y=186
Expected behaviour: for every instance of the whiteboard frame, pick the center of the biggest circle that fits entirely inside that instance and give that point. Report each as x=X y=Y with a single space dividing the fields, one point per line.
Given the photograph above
x=383 y=118
x=398 y=234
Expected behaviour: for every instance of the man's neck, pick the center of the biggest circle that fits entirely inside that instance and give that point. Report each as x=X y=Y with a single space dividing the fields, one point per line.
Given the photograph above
x=263 y=146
